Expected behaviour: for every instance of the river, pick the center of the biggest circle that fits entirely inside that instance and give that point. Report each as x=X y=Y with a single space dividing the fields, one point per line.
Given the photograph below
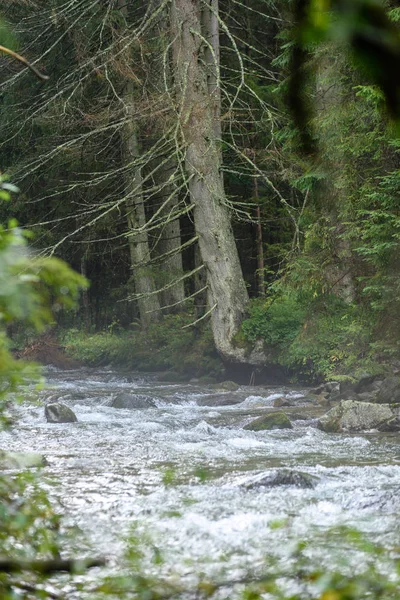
x=175 y=476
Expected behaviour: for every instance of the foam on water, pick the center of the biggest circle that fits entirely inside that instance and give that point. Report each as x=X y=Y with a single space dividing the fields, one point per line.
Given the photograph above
x=107 y=471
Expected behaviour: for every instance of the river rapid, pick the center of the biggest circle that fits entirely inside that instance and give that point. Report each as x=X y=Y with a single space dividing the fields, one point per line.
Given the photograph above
x=175 y=477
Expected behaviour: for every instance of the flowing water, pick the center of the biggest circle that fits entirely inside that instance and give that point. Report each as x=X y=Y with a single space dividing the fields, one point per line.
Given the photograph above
x=178 y=474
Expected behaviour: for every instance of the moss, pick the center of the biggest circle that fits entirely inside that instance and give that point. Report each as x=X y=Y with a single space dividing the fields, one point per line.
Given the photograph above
x=278 y=420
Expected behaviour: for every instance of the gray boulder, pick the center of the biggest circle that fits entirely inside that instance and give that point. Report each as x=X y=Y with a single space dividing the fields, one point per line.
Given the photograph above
x=285 y=477
x=364 y=387
x=352 y=415
x=365 y=383
x=389 y=391
x=219 y=400
x=270 y=421
x=132 y=401
x=20 y=460
x=59 y=413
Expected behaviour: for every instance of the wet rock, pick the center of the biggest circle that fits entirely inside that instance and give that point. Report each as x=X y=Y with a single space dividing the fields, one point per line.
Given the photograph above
x=356 y=388
x=352 y=415
x=323 y=400
x=270 y=421
x=282 y=401
x=393 y=425
x=332 y=386
x=226 y=386
x=389 y=391
x=299 y=417
x=206 y=379
x=132 y=401
x=219 y=400
x=328 y=387
x=346 y=390
x=365 y=383
x=59 y=413
x=20 y=460
x=367 y=396
x=285 y=477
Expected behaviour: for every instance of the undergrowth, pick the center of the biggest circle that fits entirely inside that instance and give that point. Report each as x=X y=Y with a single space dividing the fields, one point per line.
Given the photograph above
x=325 y=337
x=167 y=344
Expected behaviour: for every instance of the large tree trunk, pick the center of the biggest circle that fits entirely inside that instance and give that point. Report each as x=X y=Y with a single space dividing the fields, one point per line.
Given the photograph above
x=226 y=288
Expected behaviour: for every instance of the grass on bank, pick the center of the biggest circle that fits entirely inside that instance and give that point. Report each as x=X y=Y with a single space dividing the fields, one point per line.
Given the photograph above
x=165 y=345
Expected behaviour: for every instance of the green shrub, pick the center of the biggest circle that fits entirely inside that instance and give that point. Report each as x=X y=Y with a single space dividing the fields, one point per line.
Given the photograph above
x=277 y=322
x=167 y=344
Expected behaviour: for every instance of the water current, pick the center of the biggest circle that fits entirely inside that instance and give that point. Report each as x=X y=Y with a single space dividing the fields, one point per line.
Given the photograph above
x=177 y=475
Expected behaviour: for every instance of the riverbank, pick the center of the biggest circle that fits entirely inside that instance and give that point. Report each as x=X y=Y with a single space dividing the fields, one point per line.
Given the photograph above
x=188 y=352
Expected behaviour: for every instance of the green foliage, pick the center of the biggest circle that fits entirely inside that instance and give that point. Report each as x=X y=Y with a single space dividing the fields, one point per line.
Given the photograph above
x=168 y=344
x=277 y=322
x=30 y=288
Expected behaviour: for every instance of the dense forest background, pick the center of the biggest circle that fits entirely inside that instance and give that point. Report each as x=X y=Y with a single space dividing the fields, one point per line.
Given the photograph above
x=159 y=130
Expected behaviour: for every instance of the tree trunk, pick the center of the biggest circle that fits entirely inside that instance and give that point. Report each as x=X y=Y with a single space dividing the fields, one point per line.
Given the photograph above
x=339 y=271
x=148 y=302
x=169 y=242
x=227 y=294
x=259 y=243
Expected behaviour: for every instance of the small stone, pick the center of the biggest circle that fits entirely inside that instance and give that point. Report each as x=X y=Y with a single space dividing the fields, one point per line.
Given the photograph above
x=270 y=421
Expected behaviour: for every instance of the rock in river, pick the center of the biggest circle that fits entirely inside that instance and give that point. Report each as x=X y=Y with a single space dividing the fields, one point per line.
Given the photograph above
x=219 y=400
x=351 y=415
x=133 y=401
x=59 y=413
x=284 y=477
x=226 y=386
x=277 y=420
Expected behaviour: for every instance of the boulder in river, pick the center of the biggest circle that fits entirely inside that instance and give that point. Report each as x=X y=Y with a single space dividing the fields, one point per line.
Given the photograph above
x=281 y=401
x=270 y=421
x=59 y=413
x=219 y=400
x=351 y=415
x=284 y=477
x=20 y=460
x=226 y=386
x=132 y=401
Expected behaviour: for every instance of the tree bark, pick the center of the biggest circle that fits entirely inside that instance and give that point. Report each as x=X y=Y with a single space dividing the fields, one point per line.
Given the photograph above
x=259 y=243
x=227 y=294
x=169 y=242
x=148 y=301
x=145 y=288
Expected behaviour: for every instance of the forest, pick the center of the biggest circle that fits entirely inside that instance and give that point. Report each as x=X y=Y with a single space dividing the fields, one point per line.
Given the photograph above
x=164 y=160
x=202 y=193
